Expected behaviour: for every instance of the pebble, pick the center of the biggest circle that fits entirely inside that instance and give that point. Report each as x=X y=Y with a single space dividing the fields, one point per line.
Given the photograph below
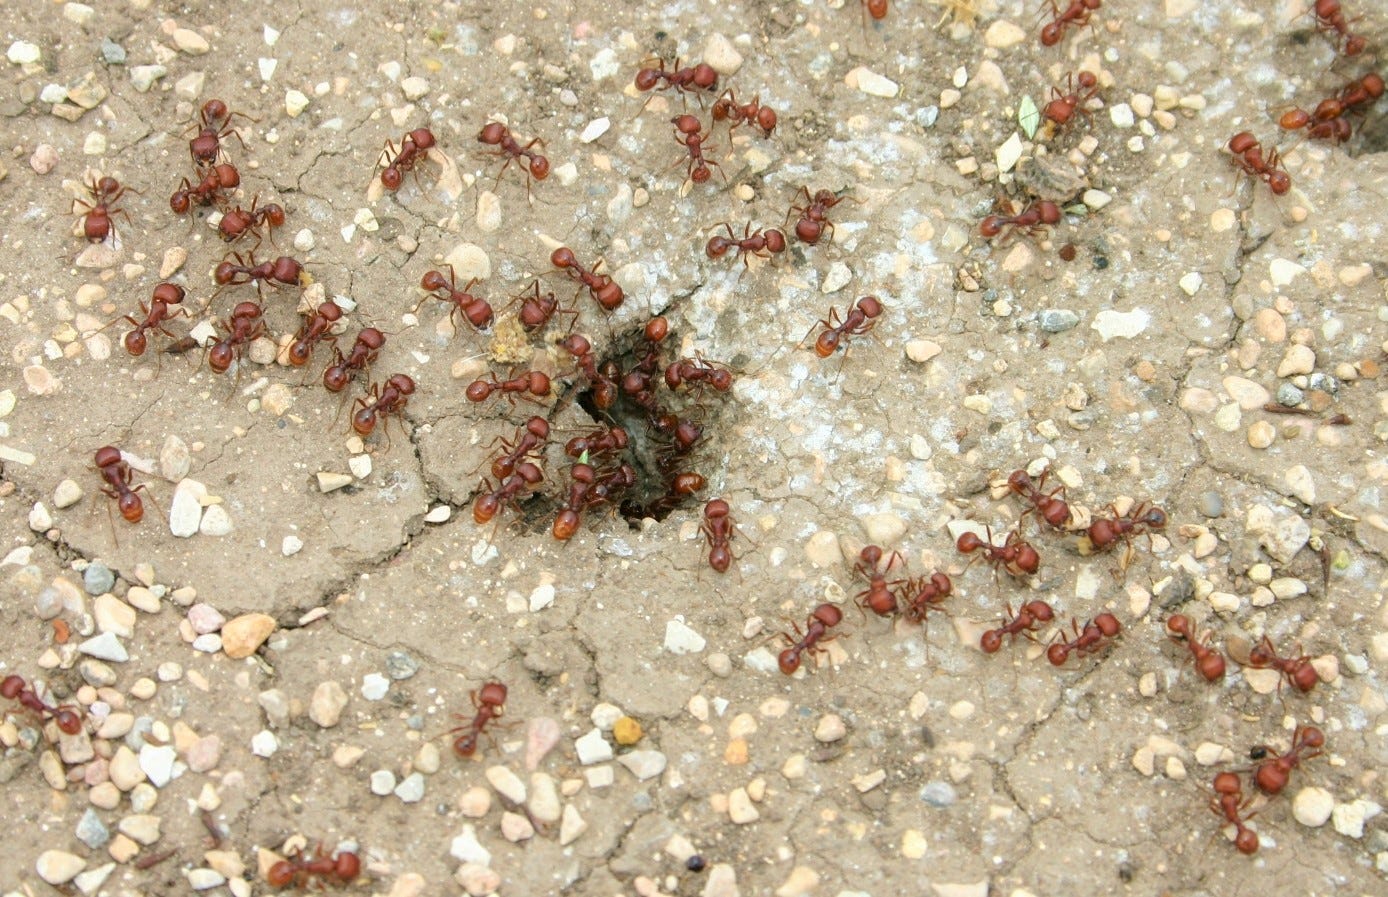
x=830 y=728
x=627 y=731
x=740 y=809
x=205 y=879
x=67 y=494
x=58 y=866
x=1113 y=324
x=884 y=530
x=801 y=881
x=543 y=803
x=124 y=769
x=1349 y=818
x=822 y=549
x=23 y=52
x=681 y=639
x=242 y=635
x=605 y=715
x=1312 y=806
x=140 y=827
x=142 y=77
x=643 y=764
x=411 y=790
x=721 y=55
x=475 y=802
x=1002 y=34
x=382 y=782
x=326 y=706
x=112 y=53
x=204 y=754
x=1191 y=282
x=593 y=748
x=105 y=646
x=414 y=87
x=722 y=881
x=294 y=103
x=516 y=828
x=157 y=762
x=1284 y=271
x=175 y=460
x=507 y=784
x=477 y=879
x=1300 y=483
x=838 y=276
x=571 y=825
x=104 y=796
x=329 y=481
x=91 y=831
x=204 y=618
x=185 y=510
x=939 y=794
x=190 y=41
x=869 y=82
x=469 y=261
x=1057 y=320
x=438 y=514
x=1121 y=114
x=595 y=129
x=374 y=686
x=427 y=759
x=1261 y=434
x=40 y=520
x=541 y=735
x=465 y=848
x=98 y=578
x=1008 y=153
x=1298 y=360
x=922 y=350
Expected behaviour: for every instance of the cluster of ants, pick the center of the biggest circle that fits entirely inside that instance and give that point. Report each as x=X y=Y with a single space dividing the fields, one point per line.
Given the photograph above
x=1328 y=121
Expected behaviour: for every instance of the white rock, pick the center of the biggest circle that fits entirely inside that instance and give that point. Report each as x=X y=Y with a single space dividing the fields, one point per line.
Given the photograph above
x=1349 y=818
x=1300 y=483
x=1298 y=360
x=830 y=728
x=382 y=782
x=1121 y=114
x=374 y=686
x=477 y=880
x=571 y=826
x=414 y=87
x=22 y=52
x=264 y=743
x=593 y=748
x=1114 y=324
x=215 y=521
x=360 y=465
x=740 y=809
x=185 y=510
x=105 y=646
x=438 y=514
x=190 y=42
x=838 y=277
x=883 y=530
x=507 y=784
x=329 y=481
x=1191 y=282
x=721 y=55
x=411 y=790
x=542 y=597
x=157 y=761
x=871 y=83
x=40 y=520
x=326 y=706
x=1284 y=271
x=680 y=639
x=604 y=64
x=595 y=129
x=516 y=828
x=291 y=545
x=294 y=103
x=1312 y=806
x=1002 y=34
x=469 y=261
x=67 y=494
x=643 y=764
x=543 y=804
x=465 y=848
x=58 y=866
x=1007 y=154
x=205 y=879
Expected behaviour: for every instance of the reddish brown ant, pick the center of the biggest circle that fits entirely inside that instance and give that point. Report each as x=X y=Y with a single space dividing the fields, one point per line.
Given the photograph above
x=603 y=289
x=530 y=437
x=536 y=310
x=382 y=401
x=477 y=312
x=922 y=594
x=1015 y=555
x=1024 y=622
x=814 y=214
x=1063 y=107
x=413 y=146
x=1330 y=18
x=1104 y=532
x=817 y=625
x=861 y=318
x=717 y=527
x=238 y=222
x=211 y=190
x=600 y=443
x=1228 y=804
x=1272 y=774
x=118 y=476
x=878 y=596
x=697 y=77
x=1033 y=219
x=530 y=383
x=364 y=350
x=206 y=148
x=1248 y=157
x=96 y=220
x=161 y=308
x=1297 y=671
x=498 y=135
x=727 y=109
x=1077 y=13
x=315 y=329
x=67 y=717
x=604 y=390
x=1209 y=663
x=1052 y=510
x=1327 y=121
x=244 y=326
x=490 y=703
x=687 y=135
x=696 y=372
x=524 y=478
x=1094 y=636
x=323 y=868
x=283 y=271
x=761 y=243
x=566 y=522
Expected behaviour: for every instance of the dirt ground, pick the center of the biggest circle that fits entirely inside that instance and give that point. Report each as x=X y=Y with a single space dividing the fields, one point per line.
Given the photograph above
x=288 y=673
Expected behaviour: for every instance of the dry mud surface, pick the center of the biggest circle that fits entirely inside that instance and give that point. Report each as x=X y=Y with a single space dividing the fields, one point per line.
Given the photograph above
x=903 y=759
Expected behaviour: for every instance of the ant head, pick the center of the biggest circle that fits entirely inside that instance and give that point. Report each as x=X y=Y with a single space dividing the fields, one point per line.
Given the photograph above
x=1280 y=182
x=870 y=307
x=403 y=383
x=168 y=293
x=969 y=542
x=1242 y=142
x=990 y=641
x=213 y=111
x=13 y=685
x=1155 y=518
x=280 y=874
x=871 y=555
x=808 y=231
x=828 y=614
x=1311 y=737
x=686 y=124
x=275 y=214
x=718 y=247
x=1057 y=654
x=1227 y=783
x=179 y=202
x=1178 y=624
x=493 y=693
x=789 y=661
x=369 y=337
x=1304 y=677
x=1108 y=624
x=1246 y=841
x=422 y=138
x=68 y=721
x=647 y=78
x=106 y=456
x=391 y=178
x=538 y=385
x=224 y=273
x=1039 y=610
x=107 y=187
x=766 y=119
x=335 y=377
x=775 y=240
x=493 y=132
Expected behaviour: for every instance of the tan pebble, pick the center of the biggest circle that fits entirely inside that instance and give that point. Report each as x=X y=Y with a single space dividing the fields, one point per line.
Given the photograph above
x=174 y=257
x=626 y=731
x=913 y=844
x=740 y=809
x=1312 y=806
x=1175 y=769
x=830 y=728
x=801 y=881
x=822 y=549
x=922 y=350
x=242 y=635
x=1270 y=325
x=1261 y=434
x=794 y=767
x=1144 y=761
x=347 y=755
x=1264 y=682
x=1246 y=393
x=1298 y=360
x=475 y=802
x=735 y=754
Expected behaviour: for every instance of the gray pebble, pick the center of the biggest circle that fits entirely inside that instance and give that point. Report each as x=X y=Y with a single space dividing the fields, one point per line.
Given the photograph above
x=1323 y=381
x=1289 y=395
x=411 y=790
x=96 y=674
x=48 y=603
x=400 y=665
x=1211 y=504
x=91 y=831
x=1057 y=320
x=382 y=782
x=98 y=579
x=926 y=117
x=112 y=53
x=719 y=664
x=939 y=794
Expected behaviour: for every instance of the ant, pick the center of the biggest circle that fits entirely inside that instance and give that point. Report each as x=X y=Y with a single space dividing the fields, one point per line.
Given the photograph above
x=67 y=716
x=206 y=147
x=476 y=311
x=1052 y=510
x=814 y=218
x=1105 y=532
x=717 y=526
x=1298 y=671
x=599 y=443
x=1033 y=219
x=566 y=522
x=96 y=220
x=524 y=478
x=924 y=594
x=532 y=435
x=1248 y=156
x=861 y=318
x=1228 y=803
x=699 y=76
x=727 y=109
x=1327 y=121
x=1024 y=622
x=382 y=400
x=299 y=872
x=687 y=134
x=236 y=223
x=1077 y=13
x=762 y=244
x=245 y=325
x=1090 y=639
x=283 y=271
x=159 y=311
x=878 y=596
x=118 y=475
x=817 y=625
x=535 y=383
x=697 y=372
x=1063 y=108
x=364 y=350
x=498 y=135
x=604 y=290
x=490 y=703
x=315 y=328
x=604 y=390
x=678 y=487
x=1015 y=555
x=1272 y=774
x=536 y=310
x=1329 y=17
x=209 y=191
x=1209 y=663
x=397 y=162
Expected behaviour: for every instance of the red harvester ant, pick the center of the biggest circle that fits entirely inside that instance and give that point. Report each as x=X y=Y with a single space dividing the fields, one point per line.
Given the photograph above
x=1272 y=774
x=717 y=527
x=245 y=325
x=67 y=717
x=1298 y=671
x=238 y=222
x=1330 y=18
x=1063 y=107
x=218 y=180
x=861 y=318
x=1052 y=510
x=1142 y=518
x=687 y=135
x=525 y=477
x=118 y=475
x=364 y=350
x=1093 y=637
x=814 y=218
x=530 y=438
x=1015 y=555
x=206 y=147
x=1248 y=156
x=1077 y=13
x=878 y=596
x=381 y=401
x=922 y=594
x=96 y=220
x=498 y=135
x=323 y=868
x=761 y=243
x=490 y=702
x=1033 y=219
x=1209 y=663
x=1327 y=121
x=475 y=311
x=603 y=289
x=413 y=146
x=696 y=372
x=727 y=109
x=698 y=77
x=283 y=271
x=314 y=330
x=1227 y=804
x=159 y=310
x=1024 y=622
x=817 y=625
x=536 y=310
x=530 y=383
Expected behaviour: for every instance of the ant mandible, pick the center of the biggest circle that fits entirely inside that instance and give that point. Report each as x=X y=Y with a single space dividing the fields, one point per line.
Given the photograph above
x=67 y=717
x=1024 y=622
x=820 y=621
x=96 y=220
x=1209 y=663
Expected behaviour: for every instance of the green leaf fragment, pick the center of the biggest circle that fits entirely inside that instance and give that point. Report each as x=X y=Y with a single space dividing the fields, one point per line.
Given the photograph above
x=1028 y=116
